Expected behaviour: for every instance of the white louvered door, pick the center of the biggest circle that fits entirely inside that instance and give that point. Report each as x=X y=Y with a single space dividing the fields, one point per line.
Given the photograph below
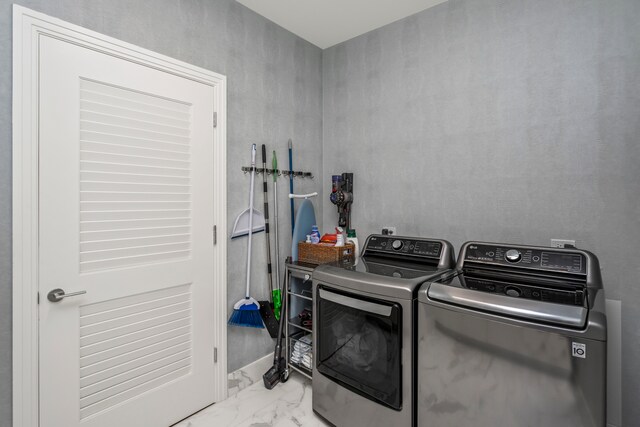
x=126 y=214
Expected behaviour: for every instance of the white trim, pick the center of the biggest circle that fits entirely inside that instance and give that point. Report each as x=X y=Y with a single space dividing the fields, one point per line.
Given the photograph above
x=249 y=374
x=28 y=25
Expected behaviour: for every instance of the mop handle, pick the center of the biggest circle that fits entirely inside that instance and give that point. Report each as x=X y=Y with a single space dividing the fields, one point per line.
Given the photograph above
x=274 y=165
x=293 y=218
x=266 y=216
x=253 y=167
x=303 y=196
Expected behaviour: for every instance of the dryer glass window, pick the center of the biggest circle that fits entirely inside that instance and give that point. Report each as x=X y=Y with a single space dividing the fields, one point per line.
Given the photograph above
x=359 y=344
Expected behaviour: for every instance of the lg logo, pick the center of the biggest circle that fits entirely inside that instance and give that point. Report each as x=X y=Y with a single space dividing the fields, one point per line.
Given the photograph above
x=579 y=350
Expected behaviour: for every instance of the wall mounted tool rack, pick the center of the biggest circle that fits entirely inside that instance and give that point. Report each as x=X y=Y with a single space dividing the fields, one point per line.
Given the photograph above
x=295 y=174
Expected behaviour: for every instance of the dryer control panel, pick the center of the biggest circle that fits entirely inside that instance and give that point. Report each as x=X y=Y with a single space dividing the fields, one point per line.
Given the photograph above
x=408 y=246
x=554 y=260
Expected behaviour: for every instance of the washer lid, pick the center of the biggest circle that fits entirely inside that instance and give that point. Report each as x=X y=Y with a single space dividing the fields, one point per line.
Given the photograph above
x=396 y=269
x=373 y=275
x=572 y=316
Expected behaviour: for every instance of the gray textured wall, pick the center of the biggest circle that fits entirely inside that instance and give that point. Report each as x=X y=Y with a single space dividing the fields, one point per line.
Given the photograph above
x=274 y=93
x=511 y=121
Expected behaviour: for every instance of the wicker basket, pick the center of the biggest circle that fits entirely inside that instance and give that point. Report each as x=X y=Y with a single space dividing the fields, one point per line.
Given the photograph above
x=323 y=253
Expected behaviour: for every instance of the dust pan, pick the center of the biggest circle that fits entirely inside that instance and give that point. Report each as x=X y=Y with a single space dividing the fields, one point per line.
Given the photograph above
x=241 y=226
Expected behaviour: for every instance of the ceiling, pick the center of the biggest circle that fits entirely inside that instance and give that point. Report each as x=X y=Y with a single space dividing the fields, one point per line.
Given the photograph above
x=329 y=22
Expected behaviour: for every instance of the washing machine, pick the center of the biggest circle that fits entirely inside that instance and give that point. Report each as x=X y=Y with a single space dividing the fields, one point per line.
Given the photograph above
x=515 y=336
x=364 y=331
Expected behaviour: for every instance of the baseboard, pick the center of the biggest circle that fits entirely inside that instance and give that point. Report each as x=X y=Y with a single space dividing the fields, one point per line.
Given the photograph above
x=247 y=375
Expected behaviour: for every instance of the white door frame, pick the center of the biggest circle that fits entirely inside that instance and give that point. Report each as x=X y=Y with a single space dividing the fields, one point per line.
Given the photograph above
x=28 y=27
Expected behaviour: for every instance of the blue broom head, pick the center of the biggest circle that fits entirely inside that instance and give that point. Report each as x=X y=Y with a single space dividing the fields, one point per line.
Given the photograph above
x=246 y=313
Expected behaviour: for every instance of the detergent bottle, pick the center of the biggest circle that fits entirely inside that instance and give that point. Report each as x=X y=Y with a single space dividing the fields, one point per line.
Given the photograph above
x=351 y=237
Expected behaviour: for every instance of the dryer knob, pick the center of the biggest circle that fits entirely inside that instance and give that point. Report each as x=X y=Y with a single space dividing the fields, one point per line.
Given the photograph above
x=397 y=244
x=512 y=291
x=513 y=255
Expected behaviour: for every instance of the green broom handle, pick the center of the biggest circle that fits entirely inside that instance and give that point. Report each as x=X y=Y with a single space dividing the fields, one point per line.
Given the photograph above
x=276 y=294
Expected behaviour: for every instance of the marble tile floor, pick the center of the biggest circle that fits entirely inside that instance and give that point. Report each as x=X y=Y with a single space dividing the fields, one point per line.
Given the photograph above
x=287 y=405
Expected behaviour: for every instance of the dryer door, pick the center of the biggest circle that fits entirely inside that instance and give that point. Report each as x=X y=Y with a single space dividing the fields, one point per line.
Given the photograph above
x=359 y=343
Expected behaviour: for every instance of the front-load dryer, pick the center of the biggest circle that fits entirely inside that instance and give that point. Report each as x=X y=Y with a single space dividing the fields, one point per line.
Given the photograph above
x=364 y=331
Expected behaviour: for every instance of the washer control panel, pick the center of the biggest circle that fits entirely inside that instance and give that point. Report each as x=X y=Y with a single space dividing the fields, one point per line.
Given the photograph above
x=404 y=246
x=527 y=258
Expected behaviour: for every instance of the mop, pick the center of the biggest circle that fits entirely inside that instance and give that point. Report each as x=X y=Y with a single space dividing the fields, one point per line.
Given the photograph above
x=277 y=293
x=269 y=317
x=293 y=216
x=266 y=217
x=246 y=312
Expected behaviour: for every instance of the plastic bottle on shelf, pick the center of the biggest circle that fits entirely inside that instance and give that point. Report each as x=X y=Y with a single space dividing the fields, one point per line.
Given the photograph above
x=339 y=237
x=315 y=235
x=351 y=237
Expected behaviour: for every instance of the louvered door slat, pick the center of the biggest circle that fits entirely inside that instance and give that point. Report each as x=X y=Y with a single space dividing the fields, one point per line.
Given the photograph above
x=109 y=374
x=90 y=236
x=107 y=399
x=133 y=96
x=142 y=366
x=95 y=352
x=122 y=175
x=142 y=114
x=105 y=139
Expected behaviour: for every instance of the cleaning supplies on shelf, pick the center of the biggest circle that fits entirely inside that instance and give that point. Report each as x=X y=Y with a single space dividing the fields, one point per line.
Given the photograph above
x=339 y=237
x=329 y=238
x=302 y=353
x=323 y=253
x=306 y=318
x=315 y=235
x=351 y=237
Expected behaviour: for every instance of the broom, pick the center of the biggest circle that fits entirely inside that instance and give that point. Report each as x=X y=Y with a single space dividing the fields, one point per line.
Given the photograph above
x=246 y=312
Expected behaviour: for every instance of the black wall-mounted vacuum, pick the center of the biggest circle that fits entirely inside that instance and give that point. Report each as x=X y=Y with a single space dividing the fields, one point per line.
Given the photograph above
x=342 y=196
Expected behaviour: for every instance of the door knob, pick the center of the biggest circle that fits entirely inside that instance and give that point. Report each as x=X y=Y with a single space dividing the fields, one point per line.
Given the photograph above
x=57 y=295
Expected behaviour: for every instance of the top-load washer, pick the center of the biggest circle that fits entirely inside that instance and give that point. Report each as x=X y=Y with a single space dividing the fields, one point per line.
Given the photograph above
x=364 y=330
x=515 y=336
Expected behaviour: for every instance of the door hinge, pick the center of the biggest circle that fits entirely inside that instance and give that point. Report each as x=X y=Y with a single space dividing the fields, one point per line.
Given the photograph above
x=215 y=120
x=215 y=234
x=215 y=354
x=38 y=297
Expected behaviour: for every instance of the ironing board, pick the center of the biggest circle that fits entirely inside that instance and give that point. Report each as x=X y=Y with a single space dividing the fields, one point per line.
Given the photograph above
x=305 y=220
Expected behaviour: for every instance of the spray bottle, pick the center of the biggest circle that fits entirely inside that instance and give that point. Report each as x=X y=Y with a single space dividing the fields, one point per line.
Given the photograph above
x=339 y=237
